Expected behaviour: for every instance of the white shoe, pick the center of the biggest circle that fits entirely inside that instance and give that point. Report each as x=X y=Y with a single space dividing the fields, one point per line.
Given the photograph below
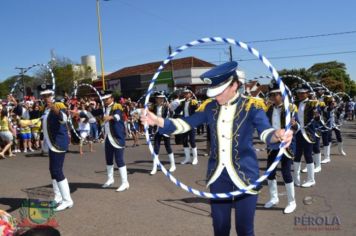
x=325 y=161
x=304 y=170
x=57 y=194
x=311 y=181
x=195 y=156
x=65 y=192
x=124 y=183
x=187 y=158
x=25 y=151
x=340 y=147
x=291 y=199
x=273 y=192
x=31 y=150
x=326 y=154
x=171 y=160
x=110 y=173
x=296 y=176
x=317 y=161
x=123 y=187
x=154 y=167
x=308 y=184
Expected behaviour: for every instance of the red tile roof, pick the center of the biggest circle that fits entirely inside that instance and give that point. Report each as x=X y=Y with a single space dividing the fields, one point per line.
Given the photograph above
x=259 y=88
x=150 y=68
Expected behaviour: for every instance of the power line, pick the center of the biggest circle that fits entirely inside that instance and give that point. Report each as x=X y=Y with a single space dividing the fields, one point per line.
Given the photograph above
x=294 y=38
x=304 y=55
x=302 y=37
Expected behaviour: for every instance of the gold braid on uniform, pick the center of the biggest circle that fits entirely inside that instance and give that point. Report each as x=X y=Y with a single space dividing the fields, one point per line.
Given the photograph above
x=117 y=106
x=193 y=102
x=204 y=104
x=258 y=103
x=60 y=105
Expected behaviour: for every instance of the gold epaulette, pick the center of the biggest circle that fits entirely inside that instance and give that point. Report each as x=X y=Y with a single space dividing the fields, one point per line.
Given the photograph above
x=117 y=106
x=258 y=103
x=203 y=105
x=60 y=105
x=194 y=102
x=322 y=104
x=293 y=108
x=313 y=103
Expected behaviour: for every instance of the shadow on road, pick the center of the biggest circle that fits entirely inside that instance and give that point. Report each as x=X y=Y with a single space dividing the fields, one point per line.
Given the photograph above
x=13 y=203
x=260 y=206
x=186 y=205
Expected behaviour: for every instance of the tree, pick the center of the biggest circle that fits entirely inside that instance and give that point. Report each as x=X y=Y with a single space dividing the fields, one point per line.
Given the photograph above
x=292 y=82
x=334 y=75
x=65 y=72
x=6 y=85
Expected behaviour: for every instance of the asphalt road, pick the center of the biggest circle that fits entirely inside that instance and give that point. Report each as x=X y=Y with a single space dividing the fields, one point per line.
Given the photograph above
x=155 y=206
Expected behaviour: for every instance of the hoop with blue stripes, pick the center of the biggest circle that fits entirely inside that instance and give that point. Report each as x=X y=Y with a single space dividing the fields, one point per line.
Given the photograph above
x=31 y=67
x=275 y=75
x=24 y=72
x=75 y=92
x=300 y=79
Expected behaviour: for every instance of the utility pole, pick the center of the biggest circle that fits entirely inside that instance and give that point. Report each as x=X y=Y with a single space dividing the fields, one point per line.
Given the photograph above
x=172 y=68
x=22 y=73
x=100 y=44
x=230 y=52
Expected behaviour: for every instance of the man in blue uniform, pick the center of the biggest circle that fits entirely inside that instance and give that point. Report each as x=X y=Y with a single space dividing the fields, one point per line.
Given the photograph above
x=233 y=163
x=161 y=109
x=114 y=141
x=276 y=115
x=305 y=135
x=318 y=127
x=188 y=107
x=55 y=135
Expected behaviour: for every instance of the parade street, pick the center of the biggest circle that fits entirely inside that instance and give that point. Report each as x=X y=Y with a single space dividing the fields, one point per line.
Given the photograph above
x=155 y=206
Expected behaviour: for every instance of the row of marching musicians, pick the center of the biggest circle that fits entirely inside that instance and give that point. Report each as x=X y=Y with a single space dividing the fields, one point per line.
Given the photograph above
x=308 y=123
x=314 y=117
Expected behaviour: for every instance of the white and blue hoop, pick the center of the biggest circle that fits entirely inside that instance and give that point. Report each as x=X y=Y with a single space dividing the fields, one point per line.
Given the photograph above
x=280 y=83
x=75 y=92
x=49 y=69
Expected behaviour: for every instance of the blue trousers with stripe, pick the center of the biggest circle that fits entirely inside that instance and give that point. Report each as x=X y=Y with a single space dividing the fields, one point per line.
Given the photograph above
x=316 y=146
x=189 y=137
x=286 y=166
x=157 y=143
x=244 y=205
x=111 y=152
x=56 y=161
x=303 y=147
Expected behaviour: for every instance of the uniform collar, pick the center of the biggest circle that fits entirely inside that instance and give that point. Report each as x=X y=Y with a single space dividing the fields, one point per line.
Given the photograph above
x=278 y=106
x=110 y=105
x=233 y=100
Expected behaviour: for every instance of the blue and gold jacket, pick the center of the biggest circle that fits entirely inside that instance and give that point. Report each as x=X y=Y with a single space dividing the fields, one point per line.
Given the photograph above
x=231 y=128
x=308 y=129
x=55 y=129
x=193 y=105
x=289 y=152
x=115 y=127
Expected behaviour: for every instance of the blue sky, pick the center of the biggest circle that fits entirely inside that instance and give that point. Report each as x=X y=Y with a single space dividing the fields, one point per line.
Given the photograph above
x=136 y=32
